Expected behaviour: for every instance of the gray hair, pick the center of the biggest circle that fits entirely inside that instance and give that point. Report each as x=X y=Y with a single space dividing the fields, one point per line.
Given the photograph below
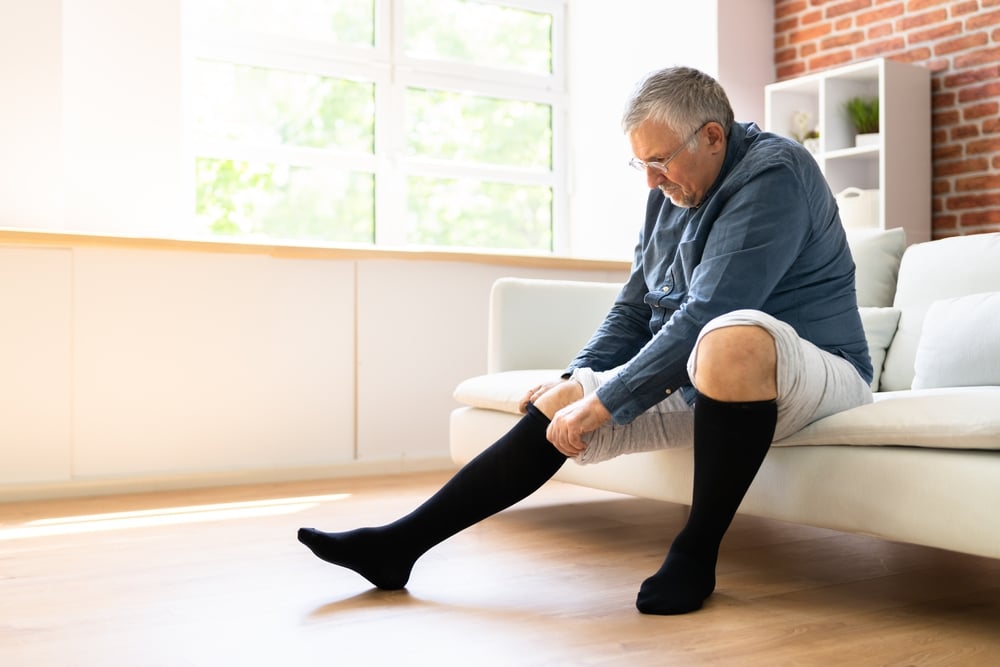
x=682 y=98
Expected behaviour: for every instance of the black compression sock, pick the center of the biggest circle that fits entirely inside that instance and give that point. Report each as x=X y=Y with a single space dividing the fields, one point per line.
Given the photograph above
x=508 y=471
x=730 y=443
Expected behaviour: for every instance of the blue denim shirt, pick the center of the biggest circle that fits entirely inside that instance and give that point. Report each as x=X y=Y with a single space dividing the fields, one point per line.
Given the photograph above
x=767 y=236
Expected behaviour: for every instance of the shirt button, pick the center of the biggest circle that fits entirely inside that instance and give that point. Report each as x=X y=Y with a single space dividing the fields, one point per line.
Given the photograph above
x=669 y=391
x=666 y=289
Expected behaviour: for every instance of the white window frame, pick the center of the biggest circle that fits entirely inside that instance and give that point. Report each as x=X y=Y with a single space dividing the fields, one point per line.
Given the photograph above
x=392 y=72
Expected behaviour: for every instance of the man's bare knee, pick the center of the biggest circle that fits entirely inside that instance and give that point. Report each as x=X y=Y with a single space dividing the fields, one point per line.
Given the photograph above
x=737 y=363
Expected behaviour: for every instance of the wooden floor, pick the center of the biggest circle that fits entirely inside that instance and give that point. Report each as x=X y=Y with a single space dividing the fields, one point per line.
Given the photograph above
x=217 y=578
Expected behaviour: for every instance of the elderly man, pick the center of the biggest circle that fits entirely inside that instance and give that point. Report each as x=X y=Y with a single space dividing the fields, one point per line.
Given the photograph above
x=738 y=326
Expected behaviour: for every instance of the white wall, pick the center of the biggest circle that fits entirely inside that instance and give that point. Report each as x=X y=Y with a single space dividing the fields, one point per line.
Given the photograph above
x=130 y=366
x=612 y=45
x=136 y=368
x=31 y=134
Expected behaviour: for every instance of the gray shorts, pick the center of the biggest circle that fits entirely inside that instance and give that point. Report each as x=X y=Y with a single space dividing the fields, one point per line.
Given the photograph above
x=812 y=384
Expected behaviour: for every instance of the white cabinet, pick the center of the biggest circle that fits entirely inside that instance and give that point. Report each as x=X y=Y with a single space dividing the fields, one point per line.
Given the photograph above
x=894 y=172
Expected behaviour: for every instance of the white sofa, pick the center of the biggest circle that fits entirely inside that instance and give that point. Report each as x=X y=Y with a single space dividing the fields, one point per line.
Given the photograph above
x=920 y=465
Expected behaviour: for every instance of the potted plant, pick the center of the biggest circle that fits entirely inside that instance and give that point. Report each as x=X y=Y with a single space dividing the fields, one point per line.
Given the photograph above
x=863 y=112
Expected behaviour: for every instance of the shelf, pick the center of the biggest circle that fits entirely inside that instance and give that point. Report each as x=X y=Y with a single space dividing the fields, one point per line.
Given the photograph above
x=898 y=166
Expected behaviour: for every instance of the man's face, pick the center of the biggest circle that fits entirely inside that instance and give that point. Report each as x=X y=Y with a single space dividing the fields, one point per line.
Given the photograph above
x=687 y=176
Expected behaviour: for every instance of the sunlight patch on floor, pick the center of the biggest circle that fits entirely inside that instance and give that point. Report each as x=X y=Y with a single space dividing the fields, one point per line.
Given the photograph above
x=167 y=516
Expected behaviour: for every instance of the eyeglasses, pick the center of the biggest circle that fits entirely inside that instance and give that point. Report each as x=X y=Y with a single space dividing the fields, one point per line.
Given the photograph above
x=663 y=167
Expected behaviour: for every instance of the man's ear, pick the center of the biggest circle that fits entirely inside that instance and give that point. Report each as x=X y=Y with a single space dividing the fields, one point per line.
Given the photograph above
x=716 y=135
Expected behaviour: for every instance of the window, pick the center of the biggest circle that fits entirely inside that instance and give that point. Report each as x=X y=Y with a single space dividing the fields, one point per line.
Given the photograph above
x=393 y=122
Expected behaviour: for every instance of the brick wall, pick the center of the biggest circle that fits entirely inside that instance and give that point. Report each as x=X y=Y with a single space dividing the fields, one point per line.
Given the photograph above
x=959 y=41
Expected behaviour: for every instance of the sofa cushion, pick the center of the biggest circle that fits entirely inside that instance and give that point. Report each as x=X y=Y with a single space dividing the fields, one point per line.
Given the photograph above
x=502 y=391
x=876 y=254
x=960 y=343
x=930 y=272
x=880 y=327
x=953 y=417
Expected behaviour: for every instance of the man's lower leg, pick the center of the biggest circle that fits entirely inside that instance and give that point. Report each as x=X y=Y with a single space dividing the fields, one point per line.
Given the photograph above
x=508 y=471
x=730 y=443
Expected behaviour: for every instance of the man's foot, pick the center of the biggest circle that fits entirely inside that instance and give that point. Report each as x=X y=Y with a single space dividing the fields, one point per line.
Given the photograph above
x=680 y=586
x=367 y=551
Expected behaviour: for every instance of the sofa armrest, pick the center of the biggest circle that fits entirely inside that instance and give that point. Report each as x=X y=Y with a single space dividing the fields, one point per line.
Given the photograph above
x=538 y=323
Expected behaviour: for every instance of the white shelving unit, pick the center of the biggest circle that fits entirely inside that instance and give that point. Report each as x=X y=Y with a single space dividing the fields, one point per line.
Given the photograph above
x=898 y=166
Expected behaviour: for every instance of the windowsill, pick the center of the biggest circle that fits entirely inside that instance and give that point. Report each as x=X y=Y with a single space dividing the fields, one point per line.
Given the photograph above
x=10 y=236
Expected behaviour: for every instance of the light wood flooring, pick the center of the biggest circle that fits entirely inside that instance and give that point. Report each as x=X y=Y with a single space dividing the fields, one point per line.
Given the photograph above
x=216 y=577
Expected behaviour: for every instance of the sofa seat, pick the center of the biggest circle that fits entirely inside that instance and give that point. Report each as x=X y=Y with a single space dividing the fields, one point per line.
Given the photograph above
x=921 y=464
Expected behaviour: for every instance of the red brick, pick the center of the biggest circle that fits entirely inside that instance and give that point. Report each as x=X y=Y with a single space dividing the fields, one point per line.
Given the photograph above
x=946 y=152
x=938 y=137
x=790 y=71
x=983 y=20
x=915 y=21
x=783 y=8
x=807 y=50
x=964 y=132
x=845 y=39
x=944 y=222
x=916 y=55
x=785 y=55
x=917 y=5
x=996 y=162
x=811 y=17
x=973 y=201
x=940 y=187
x=878 y=48
x=936 y=33
x=961 y=166
x=828 y=60
x=989 y=182
x=943 y=100
x=976 y=218
x=808 y=34
x=972 y=76
x=963 y=43
x=880 y=30
x=945 y=118
x=937 y=65
x=964 y=8
x=980 y=57
x=786 y=25
x=990 y=146
x=846 y=7
x=991 y=125
x=876 y=15
x=985 y=110
x=972 y=93
x=991 y=3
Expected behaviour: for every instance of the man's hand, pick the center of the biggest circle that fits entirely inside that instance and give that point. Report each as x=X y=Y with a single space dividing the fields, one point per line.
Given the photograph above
x=575 y=420
x=537 y=392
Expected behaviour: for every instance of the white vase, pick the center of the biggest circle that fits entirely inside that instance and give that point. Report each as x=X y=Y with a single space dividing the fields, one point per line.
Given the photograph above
x=869 y=139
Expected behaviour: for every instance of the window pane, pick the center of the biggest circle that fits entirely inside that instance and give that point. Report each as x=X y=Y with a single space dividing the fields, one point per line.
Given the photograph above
x=271 y=106
x=449 y=212
x=472 y=128
x=479 y=34
x=279 y=201
x=347 y=22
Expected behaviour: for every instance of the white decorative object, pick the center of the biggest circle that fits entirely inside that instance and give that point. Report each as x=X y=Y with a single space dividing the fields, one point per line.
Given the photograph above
x=867 y=139
x=859 y=208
